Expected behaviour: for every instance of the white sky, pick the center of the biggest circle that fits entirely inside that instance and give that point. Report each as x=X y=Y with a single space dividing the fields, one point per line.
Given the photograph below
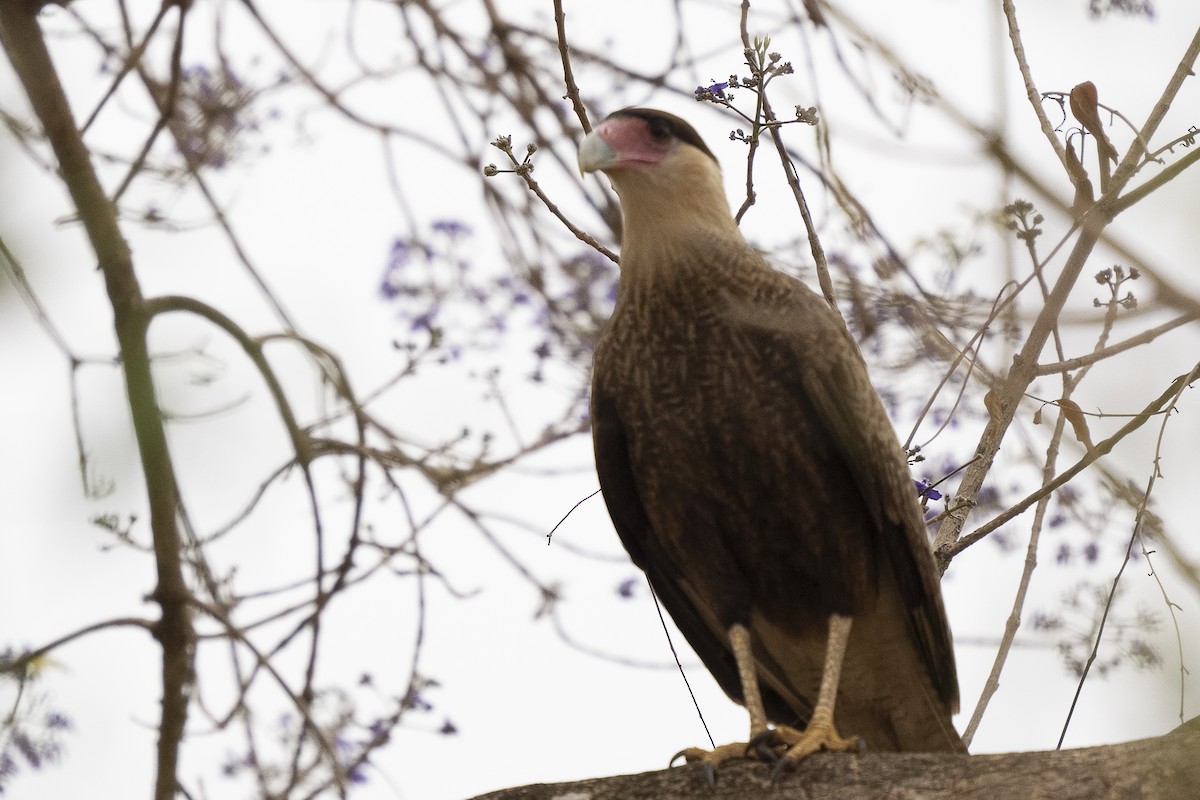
x=316 y=215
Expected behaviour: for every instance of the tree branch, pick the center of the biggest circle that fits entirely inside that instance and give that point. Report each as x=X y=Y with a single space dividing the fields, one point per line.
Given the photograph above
x=560 y=22
x=945 y=552
x=1161 y=768
x=26 y=49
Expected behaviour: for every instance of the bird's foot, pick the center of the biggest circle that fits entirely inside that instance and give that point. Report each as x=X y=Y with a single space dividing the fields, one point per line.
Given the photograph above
x=711 y=760
x=783 y=746
x=793 y=746
x=716 y=756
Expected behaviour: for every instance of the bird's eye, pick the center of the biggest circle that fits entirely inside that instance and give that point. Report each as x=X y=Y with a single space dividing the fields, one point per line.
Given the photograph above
x=660 y=128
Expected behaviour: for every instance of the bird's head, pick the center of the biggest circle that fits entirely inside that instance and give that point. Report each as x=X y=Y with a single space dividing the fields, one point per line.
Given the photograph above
x=668 y=180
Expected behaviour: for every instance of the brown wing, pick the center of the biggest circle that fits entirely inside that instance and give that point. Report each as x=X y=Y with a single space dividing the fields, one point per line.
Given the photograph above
x=644 y=546
x=820 y=365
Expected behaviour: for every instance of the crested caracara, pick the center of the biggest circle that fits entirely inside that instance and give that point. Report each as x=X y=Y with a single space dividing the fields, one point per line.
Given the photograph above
x=751 y=471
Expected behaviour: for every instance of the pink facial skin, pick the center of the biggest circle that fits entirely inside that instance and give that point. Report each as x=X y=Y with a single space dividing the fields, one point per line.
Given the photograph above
x=630 y=139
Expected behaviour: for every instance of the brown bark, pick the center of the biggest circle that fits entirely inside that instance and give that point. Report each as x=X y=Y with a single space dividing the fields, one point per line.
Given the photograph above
x=26 y=49
x=1161 y=768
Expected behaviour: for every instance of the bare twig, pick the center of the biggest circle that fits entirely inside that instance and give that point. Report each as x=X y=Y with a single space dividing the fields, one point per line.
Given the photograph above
x=1145 y=337
x=1031 y=91
x=793 y=179
x=947 y=552
x=1013 y=623
x=1132 y=160
x=560 y=23
x=1170 y=400
x=17 y=665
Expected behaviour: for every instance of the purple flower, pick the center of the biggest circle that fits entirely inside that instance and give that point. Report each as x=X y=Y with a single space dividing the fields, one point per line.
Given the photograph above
x=715 y=89
x=57 y=721
x=388 y=291
x=927 y=491
x=451 y=227
x=415 y=701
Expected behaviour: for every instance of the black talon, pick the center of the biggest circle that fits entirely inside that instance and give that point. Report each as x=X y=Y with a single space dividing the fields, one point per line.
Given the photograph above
x=710 y=776
x=782 y=765
x=683 y=753
x=763 y=746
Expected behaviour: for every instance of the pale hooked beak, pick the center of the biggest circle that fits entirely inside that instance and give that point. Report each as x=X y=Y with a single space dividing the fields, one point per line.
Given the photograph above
x=595 y=154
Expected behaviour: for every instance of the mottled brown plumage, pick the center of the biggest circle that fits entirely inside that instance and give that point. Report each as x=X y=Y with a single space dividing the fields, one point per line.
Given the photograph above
x=748 y=465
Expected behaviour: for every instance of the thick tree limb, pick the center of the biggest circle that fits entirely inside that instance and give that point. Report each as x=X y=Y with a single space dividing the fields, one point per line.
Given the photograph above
x=26 y=49
x=1162 y=768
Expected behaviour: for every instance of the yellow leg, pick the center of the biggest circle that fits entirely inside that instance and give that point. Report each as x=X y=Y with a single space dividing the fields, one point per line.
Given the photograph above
x=783 y=743
x=820 y=734
x=739 y=642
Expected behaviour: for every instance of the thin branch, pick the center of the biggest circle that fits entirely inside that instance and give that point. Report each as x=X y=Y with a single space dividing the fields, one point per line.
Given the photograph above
x=1031 y=91
x=814 y=242
x=21 y=281
x=1131 y=162
x=1168 y=174
x=132 y=58
x=793 y=179
x=253 y=349
x=299 y=700
x=1145 y=337
x=560 y=24
x=1003 y=298
x=166 y=106
x=579 y=234
x=1177 y=388
x=1022 y=373
x=18 y=665
x=948 y=551
x=1013 y=623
